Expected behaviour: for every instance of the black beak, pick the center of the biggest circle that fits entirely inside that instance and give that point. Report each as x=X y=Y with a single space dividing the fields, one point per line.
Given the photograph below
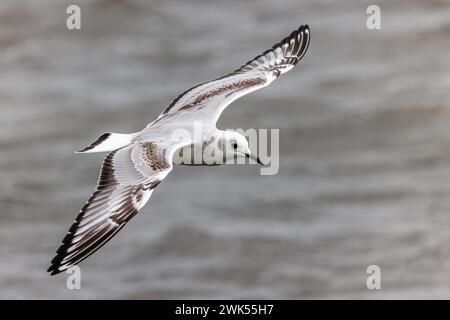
x=256 y=158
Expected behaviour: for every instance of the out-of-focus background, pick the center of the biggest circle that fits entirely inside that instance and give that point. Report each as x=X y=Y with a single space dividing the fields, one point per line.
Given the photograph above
x=364 y=149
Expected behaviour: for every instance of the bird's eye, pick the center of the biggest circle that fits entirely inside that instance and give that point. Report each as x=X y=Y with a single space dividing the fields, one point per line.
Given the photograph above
x=234 y=145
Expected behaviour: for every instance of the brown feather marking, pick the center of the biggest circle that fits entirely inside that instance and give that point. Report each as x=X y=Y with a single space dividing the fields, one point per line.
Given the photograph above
x=153 y=156
x=227 y=87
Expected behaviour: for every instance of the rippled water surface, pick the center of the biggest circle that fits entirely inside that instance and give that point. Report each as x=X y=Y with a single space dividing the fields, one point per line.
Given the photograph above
x=364 y=149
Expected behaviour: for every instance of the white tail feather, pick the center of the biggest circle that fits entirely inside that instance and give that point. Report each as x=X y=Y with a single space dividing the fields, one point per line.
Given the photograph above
x=108 y=142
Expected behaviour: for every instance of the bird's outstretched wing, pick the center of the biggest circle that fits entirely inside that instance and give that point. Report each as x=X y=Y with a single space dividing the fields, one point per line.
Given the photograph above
x=211 y=98
x=127 y=179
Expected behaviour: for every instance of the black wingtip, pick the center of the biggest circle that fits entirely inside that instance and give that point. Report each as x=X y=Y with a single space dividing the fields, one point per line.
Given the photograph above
x=55 y=264
x=303 y=28
x=53 y=270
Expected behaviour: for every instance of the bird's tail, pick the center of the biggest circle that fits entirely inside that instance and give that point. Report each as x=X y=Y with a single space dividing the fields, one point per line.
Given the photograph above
x=108 y=142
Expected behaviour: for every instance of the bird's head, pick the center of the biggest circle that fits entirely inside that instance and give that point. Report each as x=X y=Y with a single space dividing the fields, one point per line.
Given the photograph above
x=236 y=145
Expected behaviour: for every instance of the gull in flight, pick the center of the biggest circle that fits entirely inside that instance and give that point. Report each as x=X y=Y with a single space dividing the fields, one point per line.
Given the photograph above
x=138 y=162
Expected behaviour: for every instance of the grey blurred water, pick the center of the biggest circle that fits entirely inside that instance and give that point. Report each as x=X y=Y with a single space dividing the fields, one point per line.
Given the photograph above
x=364 y=149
